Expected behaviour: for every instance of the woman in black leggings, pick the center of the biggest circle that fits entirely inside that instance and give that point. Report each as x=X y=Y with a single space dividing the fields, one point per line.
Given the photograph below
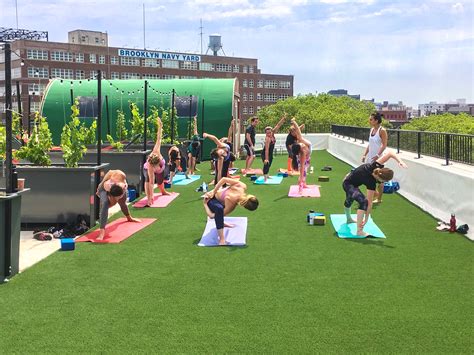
x=368 y=175
x=269 y=147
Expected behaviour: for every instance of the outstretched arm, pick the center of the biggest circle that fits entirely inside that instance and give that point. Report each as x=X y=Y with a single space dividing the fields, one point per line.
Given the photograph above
x=157 y=147
x=214 y=139
x=279 y=124
x=299 y=136
x=220 y=164
x=228 y=181
x=391 y=155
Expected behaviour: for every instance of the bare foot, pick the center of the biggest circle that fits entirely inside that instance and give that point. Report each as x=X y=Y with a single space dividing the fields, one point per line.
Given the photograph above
x=101 y=235
x=229 y=225
x=222 y=242
x=362 y=234
x=165 y=193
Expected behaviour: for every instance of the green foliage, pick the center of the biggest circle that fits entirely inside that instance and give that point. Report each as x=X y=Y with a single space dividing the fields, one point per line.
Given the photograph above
x=138 y=121
x=152 y=123
x=166 y=119
x=73 y=139
x=38 y=146
x=318 y=112
x=89 y=133
x=3 y=142
x=121 y=130
x=447 y=122
x=116 y=145
x=16 y=124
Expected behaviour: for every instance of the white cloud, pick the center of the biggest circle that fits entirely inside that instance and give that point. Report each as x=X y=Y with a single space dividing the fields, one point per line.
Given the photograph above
x=457 y=8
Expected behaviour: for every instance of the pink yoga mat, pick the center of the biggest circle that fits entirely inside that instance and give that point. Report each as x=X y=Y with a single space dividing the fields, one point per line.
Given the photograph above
x=117 y=231
x=252 y=172
x=158 y=200
x=310 y=191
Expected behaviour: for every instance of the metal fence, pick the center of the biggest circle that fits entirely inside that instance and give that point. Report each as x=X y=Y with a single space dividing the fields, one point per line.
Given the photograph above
x=447 y=146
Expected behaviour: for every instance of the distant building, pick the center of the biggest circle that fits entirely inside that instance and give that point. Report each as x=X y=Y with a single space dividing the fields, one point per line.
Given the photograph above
x=342 y=92
x=431 y=108
x=91 y=38
x=395 y=117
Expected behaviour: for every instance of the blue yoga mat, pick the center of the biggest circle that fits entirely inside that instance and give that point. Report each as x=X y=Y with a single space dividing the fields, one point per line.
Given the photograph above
x=275 y=180
x=345 y=230
x=178 y=177
x=185 y=181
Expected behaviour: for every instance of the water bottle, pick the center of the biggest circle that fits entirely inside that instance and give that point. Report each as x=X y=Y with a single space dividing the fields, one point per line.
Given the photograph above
x=311 y=170
x=204 y=187
x=308 y=216
x=452 y=223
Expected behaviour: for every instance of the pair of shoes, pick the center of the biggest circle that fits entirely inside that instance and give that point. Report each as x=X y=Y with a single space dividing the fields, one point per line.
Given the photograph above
x=327 y=168
x=442 y=227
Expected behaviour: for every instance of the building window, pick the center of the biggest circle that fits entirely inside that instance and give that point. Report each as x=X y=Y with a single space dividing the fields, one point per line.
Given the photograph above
x=151 y=63
x=151 y=76
x=97 y=40
x=38 y=72
x=79 y=57
x=114 y=75
x=245 y=110
x=93 y=74
x=130 y=62
x=101 y=59
x=35 y=106
x=260 y=84
x=271 y=84
x=36 y=89
x=80 y=74
x=284 y=96
x=251 y=69
x=224 y=67
x=251 y=96
x=168 y=77
x=245 y=69
x=172 y=64
x=244 y=83
x=244 y=96
x=259 y=96
x=16 y=73
x=206 y=66
x=259 y=108
x=37 y=54
x=285 y=84
x=62 y=73
x=92 y=58
x=236 y=68
x=127 y=76
x=188 y=77
x=83 y=38
x=62 y=56
x=189 y=65
x=251 y=83
x=270 y=97
x=251 y=110
x=114 y=60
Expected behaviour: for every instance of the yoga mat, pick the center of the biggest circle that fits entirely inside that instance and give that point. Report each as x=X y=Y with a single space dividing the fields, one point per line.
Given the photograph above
x=178 y=178
x=252 y=172
x=310 y=191
x=345 y=230
x=234 y=236
x=272 y=180
x=233 y=171
x=158 y=200
x=117 y=231
x=290 y=173
x=185 y=181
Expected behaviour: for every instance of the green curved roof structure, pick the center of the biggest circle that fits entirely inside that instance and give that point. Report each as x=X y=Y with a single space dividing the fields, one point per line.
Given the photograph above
x=215 y=102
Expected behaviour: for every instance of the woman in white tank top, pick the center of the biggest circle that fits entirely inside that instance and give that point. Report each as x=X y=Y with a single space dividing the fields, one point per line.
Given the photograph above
x=376 y=148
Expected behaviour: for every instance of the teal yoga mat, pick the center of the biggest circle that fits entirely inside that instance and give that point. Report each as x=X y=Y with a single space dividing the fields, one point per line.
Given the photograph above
x=275 y=180
x=345 y=230
x=178 y=177
x=185 y=181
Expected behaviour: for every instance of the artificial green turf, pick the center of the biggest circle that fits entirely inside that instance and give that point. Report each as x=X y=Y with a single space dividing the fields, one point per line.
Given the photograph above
x=295 y=288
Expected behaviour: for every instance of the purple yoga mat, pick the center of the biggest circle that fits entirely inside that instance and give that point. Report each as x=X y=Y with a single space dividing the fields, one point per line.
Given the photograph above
x=158 y=200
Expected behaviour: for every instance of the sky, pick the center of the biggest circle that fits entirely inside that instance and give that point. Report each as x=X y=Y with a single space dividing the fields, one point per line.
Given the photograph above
x=410 y=51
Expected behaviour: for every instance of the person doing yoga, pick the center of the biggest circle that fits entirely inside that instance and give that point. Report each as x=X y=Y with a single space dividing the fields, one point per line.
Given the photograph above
x=377 y=144
x=221 y=201
x=221 y=156
x=194 y=149
x=301 y=157
x=269 y=146
x=154 y=168
x=175 y=163
x=112 y=190
x=250 y=143
x=367 y=174
x=290 y=140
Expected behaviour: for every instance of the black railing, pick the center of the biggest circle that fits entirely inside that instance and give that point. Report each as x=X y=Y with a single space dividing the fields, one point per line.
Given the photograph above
x=447 y=146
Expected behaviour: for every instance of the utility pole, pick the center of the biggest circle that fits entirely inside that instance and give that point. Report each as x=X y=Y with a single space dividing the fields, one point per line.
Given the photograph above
x=200 y=33
x=144 y=45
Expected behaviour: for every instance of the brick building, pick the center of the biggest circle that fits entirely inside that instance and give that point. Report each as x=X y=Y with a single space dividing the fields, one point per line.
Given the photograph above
x=35 y=62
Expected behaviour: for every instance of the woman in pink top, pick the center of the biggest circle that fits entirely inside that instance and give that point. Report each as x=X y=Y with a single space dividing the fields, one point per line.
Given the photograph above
x=154 y=168
x=220 y=202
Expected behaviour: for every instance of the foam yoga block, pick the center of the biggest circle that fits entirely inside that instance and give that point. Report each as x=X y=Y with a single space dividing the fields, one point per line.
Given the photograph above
x=117 y=231
x=158 y=200
x=310 y=191
x=272 y=180
x=185 y=181
x=345 y=230
x=323 y=178
x=235 y=236
x=67 y=244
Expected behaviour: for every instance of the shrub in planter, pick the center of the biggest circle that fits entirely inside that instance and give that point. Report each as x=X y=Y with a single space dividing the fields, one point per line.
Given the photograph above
x=38 y=146
x=73 y=139
x=3 y=142
x=137 y=122
x=121 y=131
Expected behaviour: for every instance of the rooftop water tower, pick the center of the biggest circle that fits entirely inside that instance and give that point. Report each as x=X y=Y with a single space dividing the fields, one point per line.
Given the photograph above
x=215 y=44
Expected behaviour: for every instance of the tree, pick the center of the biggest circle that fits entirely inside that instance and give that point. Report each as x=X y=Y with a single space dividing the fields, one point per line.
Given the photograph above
x=446 y=122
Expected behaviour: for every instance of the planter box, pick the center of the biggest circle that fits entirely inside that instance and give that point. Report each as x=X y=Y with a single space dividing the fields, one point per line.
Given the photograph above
x=130 y=162
x=10 y=221
x=58 y=194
